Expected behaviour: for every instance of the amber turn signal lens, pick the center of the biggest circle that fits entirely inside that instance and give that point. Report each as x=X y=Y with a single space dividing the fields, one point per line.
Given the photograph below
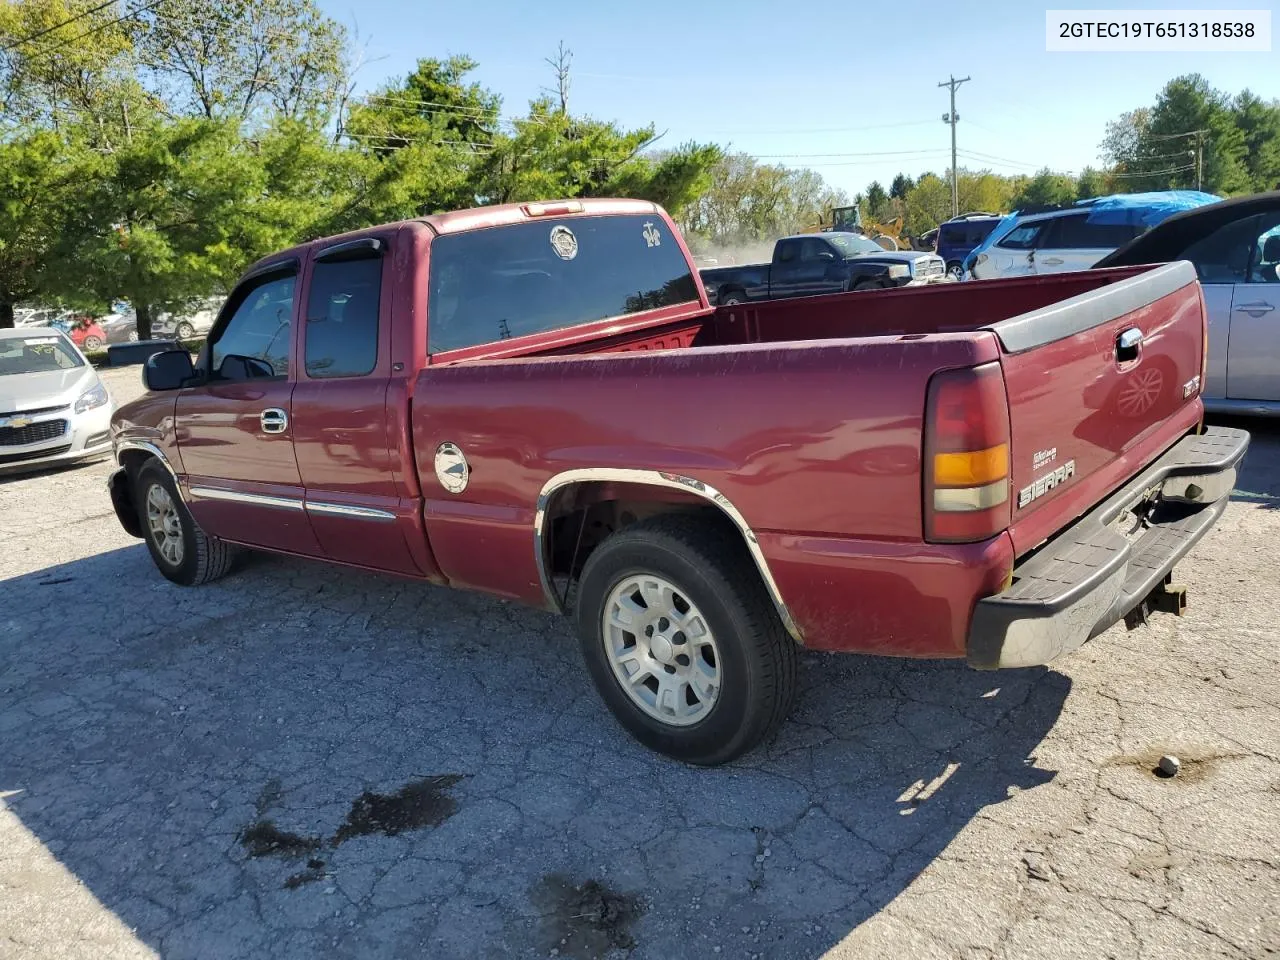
x=971 y=468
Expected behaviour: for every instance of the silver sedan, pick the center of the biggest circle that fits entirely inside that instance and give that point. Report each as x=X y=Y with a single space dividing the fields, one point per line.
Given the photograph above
x=54 y=409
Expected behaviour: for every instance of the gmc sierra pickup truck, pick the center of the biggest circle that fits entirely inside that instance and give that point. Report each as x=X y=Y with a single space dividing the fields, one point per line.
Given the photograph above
x=537 y=401
x=813 y=264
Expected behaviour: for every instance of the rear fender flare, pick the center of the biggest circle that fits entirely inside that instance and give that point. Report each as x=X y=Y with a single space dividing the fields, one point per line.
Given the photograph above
x=658 y=479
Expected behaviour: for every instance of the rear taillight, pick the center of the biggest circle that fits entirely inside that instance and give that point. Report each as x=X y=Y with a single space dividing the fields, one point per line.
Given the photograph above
x=966 y=447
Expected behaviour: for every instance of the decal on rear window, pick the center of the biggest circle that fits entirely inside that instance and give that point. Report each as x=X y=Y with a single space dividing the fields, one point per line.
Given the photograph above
x=564 y=243
x=652 y=237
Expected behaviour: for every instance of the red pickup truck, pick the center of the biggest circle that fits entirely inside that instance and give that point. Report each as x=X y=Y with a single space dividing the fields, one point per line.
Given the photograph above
x=537 y=401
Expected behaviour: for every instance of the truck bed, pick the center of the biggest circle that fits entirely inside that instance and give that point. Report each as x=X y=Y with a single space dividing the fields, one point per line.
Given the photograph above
x=807 y=416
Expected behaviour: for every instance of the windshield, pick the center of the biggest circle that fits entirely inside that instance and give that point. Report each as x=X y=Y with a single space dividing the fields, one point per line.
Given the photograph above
x=852 y=245
x=36 y=354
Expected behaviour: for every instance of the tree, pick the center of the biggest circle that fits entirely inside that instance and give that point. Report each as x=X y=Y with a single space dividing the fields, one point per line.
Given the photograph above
x=241 y=58
x=39 y=174
x=1190 y=131
x=748 y=203
x=1090 y=183
x=170 y=217
x=433 y=103
x=1259 y=122
x=900 y=187
x=560 y=64
x=928 y=204
x=77 y=71
x=877 y=201
x=1046 y=188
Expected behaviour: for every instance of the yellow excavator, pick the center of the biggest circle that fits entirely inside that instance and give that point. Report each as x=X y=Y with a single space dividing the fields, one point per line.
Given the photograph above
x=849 y=219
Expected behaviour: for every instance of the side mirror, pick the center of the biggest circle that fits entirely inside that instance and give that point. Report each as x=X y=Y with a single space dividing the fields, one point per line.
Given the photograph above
x=168 y=370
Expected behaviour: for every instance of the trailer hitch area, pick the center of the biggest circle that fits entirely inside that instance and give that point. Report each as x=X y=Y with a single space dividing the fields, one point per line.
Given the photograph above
x=1169 y=597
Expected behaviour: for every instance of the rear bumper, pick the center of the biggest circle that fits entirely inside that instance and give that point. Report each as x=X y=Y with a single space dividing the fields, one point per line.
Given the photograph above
x=1107 y=563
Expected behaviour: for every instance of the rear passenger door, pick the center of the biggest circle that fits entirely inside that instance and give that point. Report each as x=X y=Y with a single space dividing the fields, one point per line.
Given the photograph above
x=349 y=465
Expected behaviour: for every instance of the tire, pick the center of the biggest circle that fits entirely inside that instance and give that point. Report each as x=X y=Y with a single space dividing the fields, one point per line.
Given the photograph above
x=91 y=344
x=185 y=331
x=955 y=269
x=181 y=551
x=732 y=298
x=865 y=285
x=133 y=336
x=753 y=659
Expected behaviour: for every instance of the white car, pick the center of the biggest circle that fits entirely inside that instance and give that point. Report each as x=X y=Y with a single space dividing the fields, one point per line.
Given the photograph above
x=1053 y=242
x=190 y=324
x=53 y=408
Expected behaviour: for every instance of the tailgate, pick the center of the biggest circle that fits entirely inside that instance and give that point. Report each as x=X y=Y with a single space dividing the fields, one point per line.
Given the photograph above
x=1099 y=386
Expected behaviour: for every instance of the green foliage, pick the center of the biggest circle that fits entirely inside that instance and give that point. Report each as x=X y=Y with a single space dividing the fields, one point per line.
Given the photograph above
x=1232 y=143
x=39 y=177
x=748 y=204
x=1046 y=187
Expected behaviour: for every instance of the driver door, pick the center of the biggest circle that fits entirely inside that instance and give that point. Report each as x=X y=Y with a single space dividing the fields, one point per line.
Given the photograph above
x=234 y=429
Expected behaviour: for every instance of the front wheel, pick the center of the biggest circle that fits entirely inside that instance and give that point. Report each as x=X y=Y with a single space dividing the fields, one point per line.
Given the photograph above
x=682 y=641
x=731 y=298
x=92 y=344
x=181 y=551
x=186 y=331
x=955 y=270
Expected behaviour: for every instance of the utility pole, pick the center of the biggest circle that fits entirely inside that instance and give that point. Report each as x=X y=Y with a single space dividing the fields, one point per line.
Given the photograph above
x=1199 y=157
x=951 y=118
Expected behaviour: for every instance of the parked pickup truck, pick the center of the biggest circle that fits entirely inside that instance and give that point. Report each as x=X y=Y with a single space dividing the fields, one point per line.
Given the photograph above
x=538 y=402
x=816 y=263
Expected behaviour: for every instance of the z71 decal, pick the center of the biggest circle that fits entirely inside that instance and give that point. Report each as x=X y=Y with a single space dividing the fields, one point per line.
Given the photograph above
x=1046 y=483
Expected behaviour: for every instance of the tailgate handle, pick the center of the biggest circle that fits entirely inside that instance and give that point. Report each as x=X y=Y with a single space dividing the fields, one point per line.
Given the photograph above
x=1127 y=345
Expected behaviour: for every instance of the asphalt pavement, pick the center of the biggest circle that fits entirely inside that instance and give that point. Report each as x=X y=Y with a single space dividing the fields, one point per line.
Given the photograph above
x=304 y=761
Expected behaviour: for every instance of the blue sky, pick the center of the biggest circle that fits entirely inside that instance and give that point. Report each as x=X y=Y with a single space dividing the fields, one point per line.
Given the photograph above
x=849 y=89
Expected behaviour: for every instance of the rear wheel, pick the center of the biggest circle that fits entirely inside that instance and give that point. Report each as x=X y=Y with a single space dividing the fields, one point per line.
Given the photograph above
x=92 y=344
x=682 y=641
x=181 y=551
x=186 y=331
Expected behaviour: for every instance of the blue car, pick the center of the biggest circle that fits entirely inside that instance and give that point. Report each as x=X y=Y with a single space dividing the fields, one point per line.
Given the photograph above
x=959 y=236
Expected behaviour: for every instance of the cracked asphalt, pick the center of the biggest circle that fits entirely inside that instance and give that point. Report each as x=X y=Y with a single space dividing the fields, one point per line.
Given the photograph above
x=302 y=761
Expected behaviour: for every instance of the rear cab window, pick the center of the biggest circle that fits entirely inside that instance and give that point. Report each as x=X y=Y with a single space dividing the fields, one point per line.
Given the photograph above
x=521 y=279
x=341 y=331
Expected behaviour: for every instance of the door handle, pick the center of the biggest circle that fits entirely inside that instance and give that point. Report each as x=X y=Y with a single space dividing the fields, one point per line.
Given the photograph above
x=1127 y=345
x=1052 y=261
x=1256 y=309
x=273 y=420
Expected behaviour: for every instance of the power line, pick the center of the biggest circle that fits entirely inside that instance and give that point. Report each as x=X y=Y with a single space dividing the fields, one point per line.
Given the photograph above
x=1153 y=173
x=795 y=130
x=881 y=153
x=57 y=26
